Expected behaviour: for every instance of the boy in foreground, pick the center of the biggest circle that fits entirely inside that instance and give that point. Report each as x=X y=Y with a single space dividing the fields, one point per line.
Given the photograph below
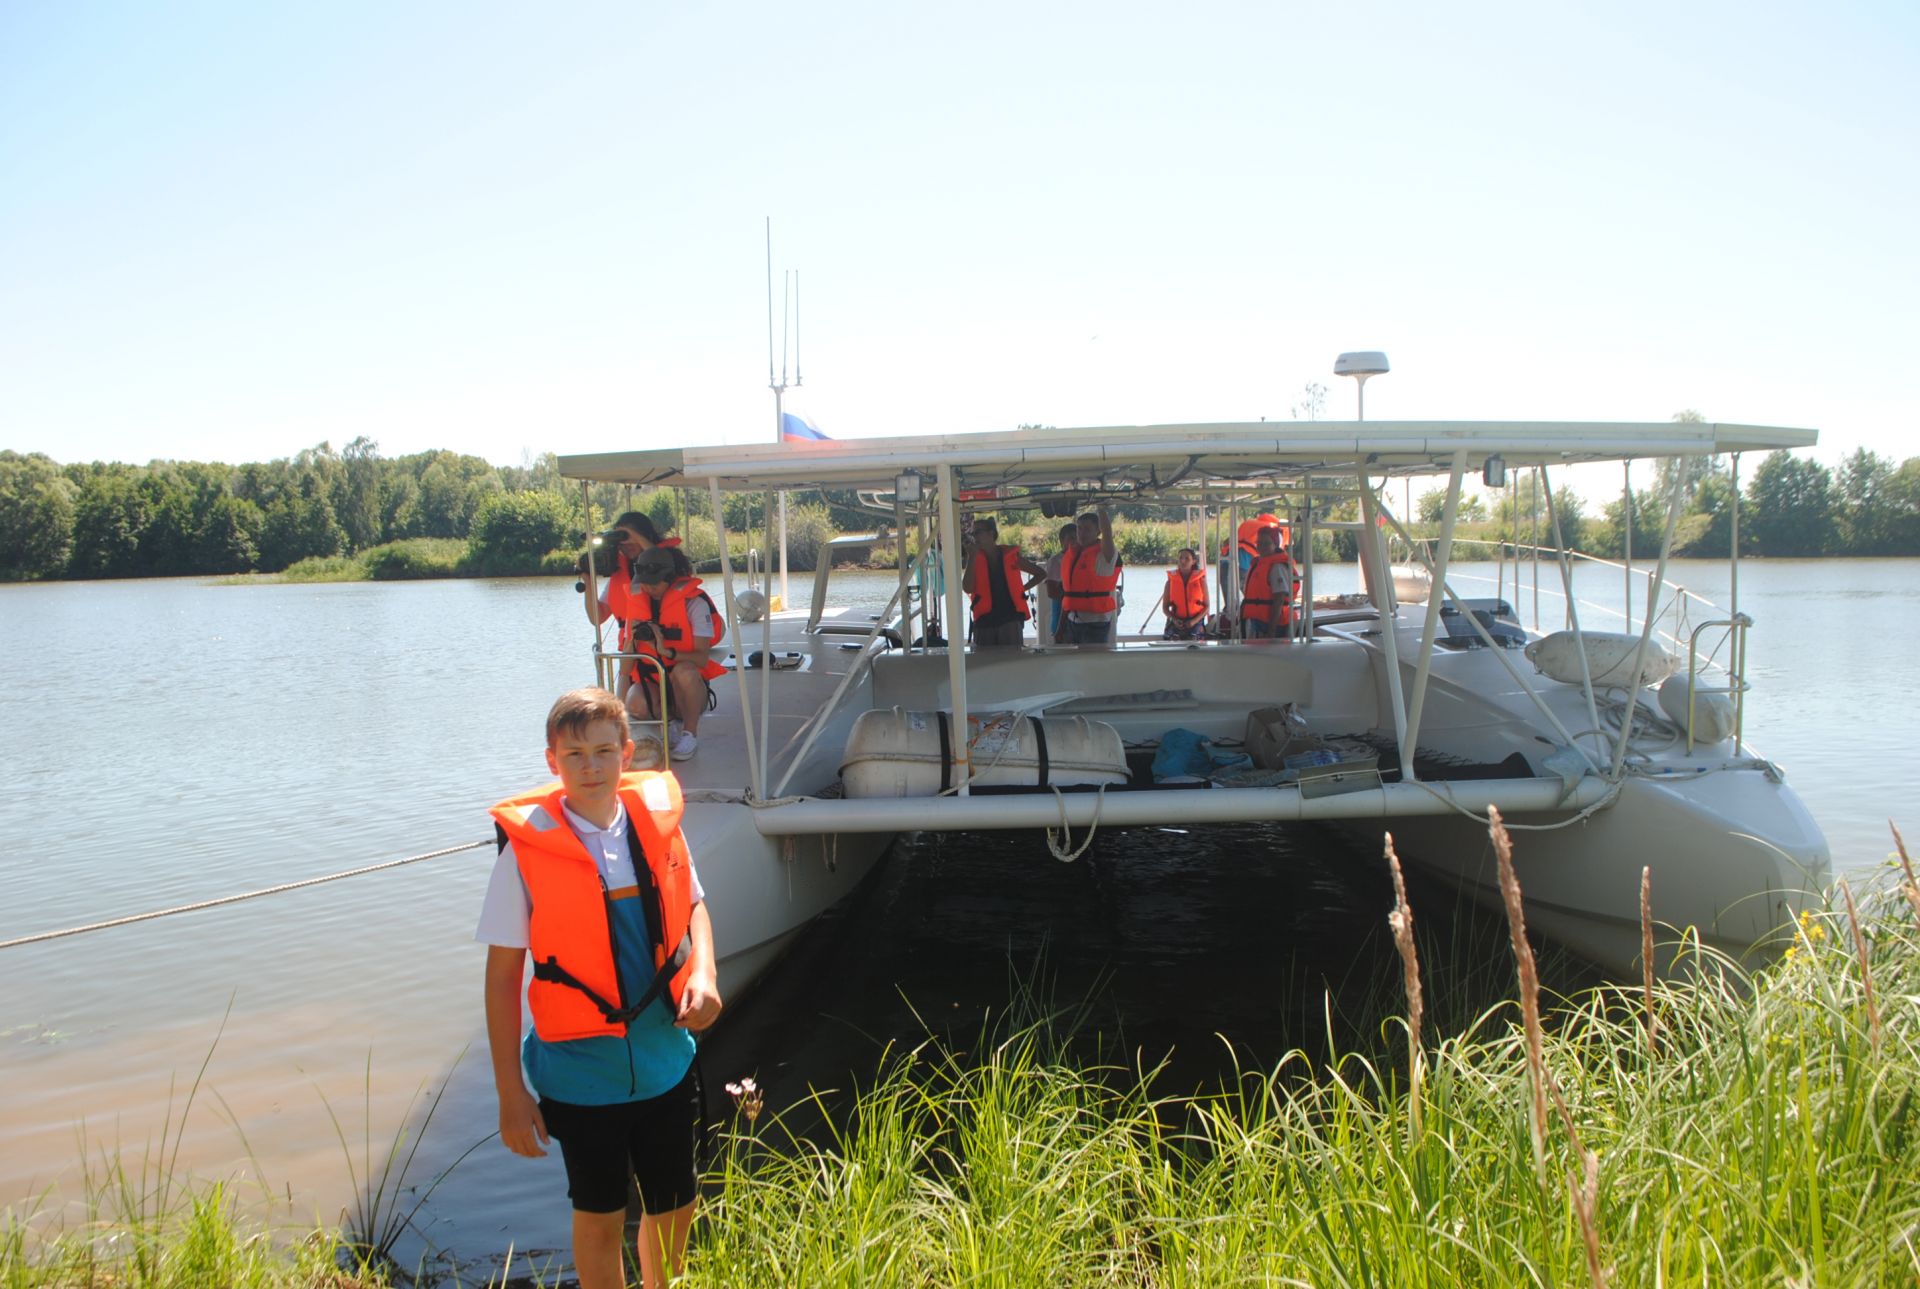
x=595 y=878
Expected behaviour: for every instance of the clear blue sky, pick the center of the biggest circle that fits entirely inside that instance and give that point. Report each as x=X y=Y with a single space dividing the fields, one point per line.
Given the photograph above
x=229 y=231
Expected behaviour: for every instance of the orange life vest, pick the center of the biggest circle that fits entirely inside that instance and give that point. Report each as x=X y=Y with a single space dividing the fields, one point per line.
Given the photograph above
x=983 y=585
x=676 y=627
x=1257 y=603
x=1186 y=596
x=576 y=990
x=1083 y=588
x=1249 y=532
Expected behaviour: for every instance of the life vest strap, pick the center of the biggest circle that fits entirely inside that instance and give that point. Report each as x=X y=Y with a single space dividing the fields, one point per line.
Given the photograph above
x=552 y=972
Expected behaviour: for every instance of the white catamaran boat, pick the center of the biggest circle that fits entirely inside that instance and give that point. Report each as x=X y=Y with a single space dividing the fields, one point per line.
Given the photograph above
x=1616 y=749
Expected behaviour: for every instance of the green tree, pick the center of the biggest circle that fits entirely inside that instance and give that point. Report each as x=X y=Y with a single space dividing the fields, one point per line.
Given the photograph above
x=512 y=530
x=229 y=537
x=451 y=488
x=1903 y=507
x=1866 y=510
x=109 y=514
x=1431 y=506
x=36 y=516
x=1790 y=502
x=358 y=507
x=298 y=526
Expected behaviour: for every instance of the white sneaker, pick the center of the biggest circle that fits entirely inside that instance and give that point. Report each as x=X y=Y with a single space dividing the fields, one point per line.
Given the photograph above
x=684 y=746
x=674 y=727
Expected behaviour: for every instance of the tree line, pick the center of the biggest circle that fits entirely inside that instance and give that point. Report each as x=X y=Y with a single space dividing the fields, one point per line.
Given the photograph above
x=176 y=518
x=1789 y=506
x=173 y=518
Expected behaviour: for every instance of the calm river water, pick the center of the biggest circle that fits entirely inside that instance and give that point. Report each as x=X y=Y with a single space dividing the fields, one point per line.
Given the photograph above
x=171 y=741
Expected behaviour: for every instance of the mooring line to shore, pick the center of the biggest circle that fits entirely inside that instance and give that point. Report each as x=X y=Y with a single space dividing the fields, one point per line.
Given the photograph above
x=235 y=899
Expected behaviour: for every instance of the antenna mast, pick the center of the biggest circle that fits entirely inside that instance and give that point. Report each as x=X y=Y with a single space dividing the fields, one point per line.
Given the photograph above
x=789 y=313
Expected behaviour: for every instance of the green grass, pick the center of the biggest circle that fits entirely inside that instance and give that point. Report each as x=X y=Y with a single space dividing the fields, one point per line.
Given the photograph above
x=1767 y=1138
x=321 y=568
x=1763 y=1132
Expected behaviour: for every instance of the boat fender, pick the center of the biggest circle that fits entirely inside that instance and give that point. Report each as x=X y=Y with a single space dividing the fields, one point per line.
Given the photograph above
x=1609 y=658
x=1411 y=584
x=1712 y=712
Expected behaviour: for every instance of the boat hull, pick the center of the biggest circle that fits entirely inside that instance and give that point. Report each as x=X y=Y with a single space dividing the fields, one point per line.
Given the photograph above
x=762 y=890
x=1733 y=857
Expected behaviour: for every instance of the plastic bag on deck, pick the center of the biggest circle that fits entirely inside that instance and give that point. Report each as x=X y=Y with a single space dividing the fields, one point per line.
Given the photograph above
x=1185 y=756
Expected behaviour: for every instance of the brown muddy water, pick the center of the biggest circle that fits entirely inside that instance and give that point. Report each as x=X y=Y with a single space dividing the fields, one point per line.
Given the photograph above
x=171 y=741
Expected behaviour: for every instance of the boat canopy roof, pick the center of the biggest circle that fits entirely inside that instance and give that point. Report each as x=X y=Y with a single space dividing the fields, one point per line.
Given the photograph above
x=1157 y=457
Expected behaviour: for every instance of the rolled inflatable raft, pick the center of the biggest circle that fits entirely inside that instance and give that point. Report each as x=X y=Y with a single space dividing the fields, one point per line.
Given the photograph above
x=897 y=753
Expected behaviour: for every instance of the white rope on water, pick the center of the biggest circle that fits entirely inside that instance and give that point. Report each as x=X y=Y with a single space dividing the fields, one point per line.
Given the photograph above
x=235 y=899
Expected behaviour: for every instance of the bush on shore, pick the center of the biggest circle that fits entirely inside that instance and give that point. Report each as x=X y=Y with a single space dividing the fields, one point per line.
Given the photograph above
x=415 y=558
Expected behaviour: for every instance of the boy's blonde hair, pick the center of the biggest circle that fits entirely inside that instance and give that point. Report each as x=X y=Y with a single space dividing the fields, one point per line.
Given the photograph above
x=576 y=709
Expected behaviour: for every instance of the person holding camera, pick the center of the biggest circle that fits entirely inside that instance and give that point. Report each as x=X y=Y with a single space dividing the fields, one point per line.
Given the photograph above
x=612 y=555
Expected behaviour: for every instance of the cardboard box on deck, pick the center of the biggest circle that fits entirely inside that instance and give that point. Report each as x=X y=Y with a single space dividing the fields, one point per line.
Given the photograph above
x=1271 y=738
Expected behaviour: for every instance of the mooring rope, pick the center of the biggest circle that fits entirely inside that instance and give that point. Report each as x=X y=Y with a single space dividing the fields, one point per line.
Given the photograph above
x=235 y=899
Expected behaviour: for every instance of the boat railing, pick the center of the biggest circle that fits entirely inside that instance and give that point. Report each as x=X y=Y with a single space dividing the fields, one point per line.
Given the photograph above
x=1674 y=622
x=1736 y=671
x=610 y=664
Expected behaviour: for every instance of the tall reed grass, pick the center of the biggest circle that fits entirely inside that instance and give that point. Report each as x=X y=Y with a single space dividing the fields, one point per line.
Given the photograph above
x=1768 y=1137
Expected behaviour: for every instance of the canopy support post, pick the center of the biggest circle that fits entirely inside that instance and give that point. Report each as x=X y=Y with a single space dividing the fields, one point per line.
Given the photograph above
x=1373 y=558
x=956 y=640
x=739 y=671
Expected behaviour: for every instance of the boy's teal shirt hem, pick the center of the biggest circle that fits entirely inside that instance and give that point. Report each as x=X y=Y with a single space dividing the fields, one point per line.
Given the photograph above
x=648 y=1061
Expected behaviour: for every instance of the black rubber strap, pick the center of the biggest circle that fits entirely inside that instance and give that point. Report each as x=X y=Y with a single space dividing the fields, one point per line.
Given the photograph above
x=552 y=972
x=946 y=753
x=1040 y=746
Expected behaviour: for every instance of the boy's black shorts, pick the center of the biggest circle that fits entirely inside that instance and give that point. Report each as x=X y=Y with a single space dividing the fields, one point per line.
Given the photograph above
x=650 y=1141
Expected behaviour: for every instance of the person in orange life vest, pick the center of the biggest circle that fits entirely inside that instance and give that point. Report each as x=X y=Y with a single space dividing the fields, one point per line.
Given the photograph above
x=671 y=618
x=1089 y=574
x=1266 y=604
x=594 y=878
x=630 y=535
x=1246 y=540
x=992 y=578
x=1186 y=598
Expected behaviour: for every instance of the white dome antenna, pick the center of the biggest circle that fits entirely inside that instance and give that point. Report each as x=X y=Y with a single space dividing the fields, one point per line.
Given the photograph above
x=1361 y=364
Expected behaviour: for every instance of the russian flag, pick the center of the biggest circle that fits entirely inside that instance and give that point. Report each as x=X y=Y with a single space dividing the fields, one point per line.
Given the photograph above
x=798 y=429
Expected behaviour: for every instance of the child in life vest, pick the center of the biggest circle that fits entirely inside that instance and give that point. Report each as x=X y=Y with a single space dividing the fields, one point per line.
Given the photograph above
x=594 y=879
x=1186 y=599
x=670 y=618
